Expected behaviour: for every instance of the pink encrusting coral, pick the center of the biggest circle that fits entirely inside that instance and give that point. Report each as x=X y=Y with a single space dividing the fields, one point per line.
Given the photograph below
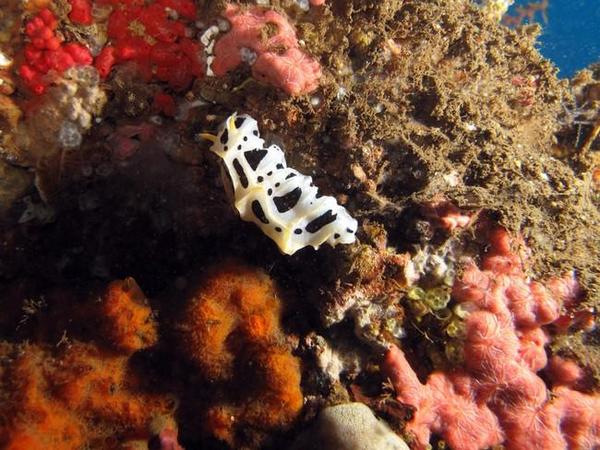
x=167 y=440
x=269 y=36
x=497 y=398
x=446 y=215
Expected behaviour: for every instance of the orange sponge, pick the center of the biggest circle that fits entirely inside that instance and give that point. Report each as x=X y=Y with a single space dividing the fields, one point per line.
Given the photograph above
x=235 y=304
x=127 y=319
x=232 y=331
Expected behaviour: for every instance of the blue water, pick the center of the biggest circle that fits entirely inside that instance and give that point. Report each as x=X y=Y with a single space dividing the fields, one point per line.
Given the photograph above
x=571 y=38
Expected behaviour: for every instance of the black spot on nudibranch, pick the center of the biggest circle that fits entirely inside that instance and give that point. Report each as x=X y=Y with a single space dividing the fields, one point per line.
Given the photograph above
x=259 y=212
x=336 y=236
x=240 y=173
x=239 y=121
x=254 y=157
x=324 y=219
x=255 y=132
x=279 y=166
x=245 y=138
x=298 y=231
x=260 y=179
x=269 y=191
x=224 y=136
x=287 y=201
x=270 y=173
x=278 y=229
x=240 y=147
x=291 y=175
x=349 y=230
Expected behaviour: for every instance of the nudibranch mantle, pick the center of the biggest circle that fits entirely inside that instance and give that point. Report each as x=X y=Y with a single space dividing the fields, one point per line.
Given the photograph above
x=281 y=201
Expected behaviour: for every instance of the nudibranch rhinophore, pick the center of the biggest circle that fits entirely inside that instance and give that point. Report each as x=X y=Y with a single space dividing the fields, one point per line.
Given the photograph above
x=284 y=203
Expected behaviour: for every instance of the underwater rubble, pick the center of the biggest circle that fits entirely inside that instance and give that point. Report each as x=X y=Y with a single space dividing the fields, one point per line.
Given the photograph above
x=417 y=264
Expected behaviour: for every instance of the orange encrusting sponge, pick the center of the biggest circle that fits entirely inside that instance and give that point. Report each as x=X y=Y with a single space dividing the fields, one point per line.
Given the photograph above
x=232 y=331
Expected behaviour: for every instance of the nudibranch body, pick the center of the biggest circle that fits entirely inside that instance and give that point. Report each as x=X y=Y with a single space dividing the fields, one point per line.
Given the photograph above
x=284 y=203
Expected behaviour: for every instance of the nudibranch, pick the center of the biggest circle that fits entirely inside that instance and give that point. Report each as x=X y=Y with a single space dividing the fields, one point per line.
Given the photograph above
x=284 y=203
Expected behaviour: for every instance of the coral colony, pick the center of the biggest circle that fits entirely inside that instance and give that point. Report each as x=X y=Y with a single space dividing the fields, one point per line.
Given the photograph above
x=498 y=398
x=425 y=119
x=285 y=204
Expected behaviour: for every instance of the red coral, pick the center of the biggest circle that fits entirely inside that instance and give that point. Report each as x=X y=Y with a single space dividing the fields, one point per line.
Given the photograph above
x=81 y=12
x=46 y=52
x=153 y=37
x=105 y=61
x=498 y=398
x=165 y=104
x=279 y=61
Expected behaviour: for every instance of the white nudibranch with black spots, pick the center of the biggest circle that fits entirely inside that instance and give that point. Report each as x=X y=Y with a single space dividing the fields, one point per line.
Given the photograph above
x=284 y=203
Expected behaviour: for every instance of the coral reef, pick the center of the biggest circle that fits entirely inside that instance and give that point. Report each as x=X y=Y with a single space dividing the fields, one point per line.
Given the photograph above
x=498 y=398
x=53 y=128
x=231 y=330
x=429 y=122
x=267 y=41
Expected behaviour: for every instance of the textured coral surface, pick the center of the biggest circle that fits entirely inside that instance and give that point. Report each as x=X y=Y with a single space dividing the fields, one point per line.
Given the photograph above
x=498 y=398
x=231 y=329
x=472 y=170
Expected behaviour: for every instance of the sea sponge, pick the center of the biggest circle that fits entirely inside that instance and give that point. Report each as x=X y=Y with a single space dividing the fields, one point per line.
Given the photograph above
x=231 y=330
x=29 y=418
x=233 y=298
x=127 y=319
x=77 y=394
x=83 y=396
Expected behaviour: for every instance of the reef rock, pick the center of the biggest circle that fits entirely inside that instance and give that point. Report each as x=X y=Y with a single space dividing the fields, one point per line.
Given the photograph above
x=351 y=426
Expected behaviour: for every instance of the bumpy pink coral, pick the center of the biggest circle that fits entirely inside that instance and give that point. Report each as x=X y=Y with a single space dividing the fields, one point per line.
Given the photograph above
x=498 y=397
x=446 y=215
x=269 y=35
x=445 y=405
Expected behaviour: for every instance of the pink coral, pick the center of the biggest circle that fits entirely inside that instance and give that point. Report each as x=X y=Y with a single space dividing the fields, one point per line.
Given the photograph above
x=168 y=440
x=446 y=215
x=498 y=398
x=279 y=61
x=445 y=405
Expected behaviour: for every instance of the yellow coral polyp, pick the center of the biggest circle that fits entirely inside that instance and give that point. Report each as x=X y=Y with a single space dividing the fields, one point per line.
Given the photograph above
x=437 y=298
